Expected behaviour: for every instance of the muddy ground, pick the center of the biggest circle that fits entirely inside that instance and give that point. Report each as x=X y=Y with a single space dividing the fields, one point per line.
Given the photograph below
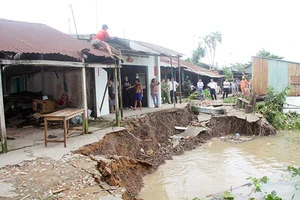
x=115 y=166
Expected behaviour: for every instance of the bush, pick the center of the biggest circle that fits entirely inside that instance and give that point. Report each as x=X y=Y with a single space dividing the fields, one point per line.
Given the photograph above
x=195 y=95
x=272 y=110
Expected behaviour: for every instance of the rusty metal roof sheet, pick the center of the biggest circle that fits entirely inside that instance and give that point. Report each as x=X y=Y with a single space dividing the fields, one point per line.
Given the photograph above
x=159 y=49
x=17 y=37
x=190 y=67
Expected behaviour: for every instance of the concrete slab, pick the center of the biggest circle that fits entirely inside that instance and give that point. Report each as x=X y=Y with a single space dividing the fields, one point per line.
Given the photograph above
x=250 y=117
x=6 y=190
x=203 y=117
x=54 y=150
x=133 y=113
x=237 y=113
x=192 y=131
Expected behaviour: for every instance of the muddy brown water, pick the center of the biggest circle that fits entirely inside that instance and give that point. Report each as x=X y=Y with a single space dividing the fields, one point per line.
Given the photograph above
x=217 y=166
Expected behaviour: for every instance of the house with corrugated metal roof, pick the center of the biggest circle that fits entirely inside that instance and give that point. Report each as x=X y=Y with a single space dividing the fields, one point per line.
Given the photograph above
x=146 y=61
x=35 y=57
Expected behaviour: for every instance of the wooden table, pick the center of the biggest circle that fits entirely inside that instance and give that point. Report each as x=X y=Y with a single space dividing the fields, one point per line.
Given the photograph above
x=63 y=115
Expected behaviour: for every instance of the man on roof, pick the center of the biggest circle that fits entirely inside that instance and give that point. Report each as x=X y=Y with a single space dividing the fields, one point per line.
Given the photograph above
x=103 y=35
x=101 y=38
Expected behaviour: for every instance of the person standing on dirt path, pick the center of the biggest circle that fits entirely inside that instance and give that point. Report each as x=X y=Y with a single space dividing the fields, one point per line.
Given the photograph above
x=138 y=93
x=200 y=86
x=244 y=84
x=164 y=92
x=212 y=88
x=154 y=91
x=111 y=96
x=234 y=88
x=172 y=87
x=226 y=86
x=126 y=93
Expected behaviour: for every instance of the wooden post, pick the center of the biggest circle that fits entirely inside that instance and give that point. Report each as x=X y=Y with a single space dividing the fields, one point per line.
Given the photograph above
x=118 y=121
x=179 y=79
x=2 y=118
x=172 y=76
x=84 y=100
x=43 y=80
x=120 y=90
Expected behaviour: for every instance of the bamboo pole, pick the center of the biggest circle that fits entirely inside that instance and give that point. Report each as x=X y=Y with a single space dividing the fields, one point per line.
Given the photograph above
x=84 y=100
x=118 y=121
x=2 y=118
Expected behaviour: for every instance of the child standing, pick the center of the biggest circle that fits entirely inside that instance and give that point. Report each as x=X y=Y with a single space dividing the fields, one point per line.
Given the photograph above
x=138 y=93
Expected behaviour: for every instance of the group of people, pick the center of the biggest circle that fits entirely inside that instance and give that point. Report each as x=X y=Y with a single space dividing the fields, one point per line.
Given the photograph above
x=126 y=86
x=214 y=88
x=168 y=91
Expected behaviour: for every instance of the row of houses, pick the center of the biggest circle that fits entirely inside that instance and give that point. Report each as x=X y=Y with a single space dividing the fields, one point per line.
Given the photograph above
x=37 y=58
x=47 y=60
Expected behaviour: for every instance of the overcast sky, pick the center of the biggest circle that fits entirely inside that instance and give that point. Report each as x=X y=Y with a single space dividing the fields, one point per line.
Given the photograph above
x=246 y=25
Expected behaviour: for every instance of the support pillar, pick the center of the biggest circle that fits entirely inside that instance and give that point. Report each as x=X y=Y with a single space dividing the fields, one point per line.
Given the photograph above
x=2 y=118
x=179 y=79
x=118 y=121
x=84 y=100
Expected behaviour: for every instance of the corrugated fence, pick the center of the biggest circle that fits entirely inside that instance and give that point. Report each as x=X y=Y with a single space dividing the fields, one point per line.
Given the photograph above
x=275 y=73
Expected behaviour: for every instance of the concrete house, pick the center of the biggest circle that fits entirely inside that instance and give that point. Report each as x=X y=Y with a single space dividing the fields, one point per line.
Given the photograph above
x=39 y=59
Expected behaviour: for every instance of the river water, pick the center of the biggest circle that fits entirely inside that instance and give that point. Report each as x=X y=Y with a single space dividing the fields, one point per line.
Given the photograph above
x=218 y=166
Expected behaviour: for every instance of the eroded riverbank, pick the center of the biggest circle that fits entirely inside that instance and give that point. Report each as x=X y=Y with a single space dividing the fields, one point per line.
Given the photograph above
x=126 y=156
x=217 y=166
x=114 y=167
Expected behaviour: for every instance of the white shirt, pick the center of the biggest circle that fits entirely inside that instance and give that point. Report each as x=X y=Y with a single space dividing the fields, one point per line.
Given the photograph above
x=212 y=85
x=200 y=85
x=170 y=84
x=226 y=84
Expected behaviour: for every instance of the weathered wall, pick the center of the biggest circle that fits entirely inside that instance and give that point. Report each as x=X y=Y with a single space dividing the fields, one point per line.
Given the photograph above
x=150 y=64
x=294 y=78
x=54 y=84
x=259 y=75
x=275 y=73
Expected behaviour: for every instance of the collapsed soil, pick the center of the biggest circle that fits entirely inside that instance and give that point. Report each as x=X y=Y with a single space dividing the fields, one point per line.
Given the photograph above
x=124 y=157
x=120 y=159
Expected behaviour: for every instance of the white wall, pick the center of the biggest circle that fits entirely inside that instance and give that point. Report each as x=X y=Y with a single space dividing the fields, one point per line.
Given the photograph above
x=149 y=63
x=294 y=102
x=100 y=84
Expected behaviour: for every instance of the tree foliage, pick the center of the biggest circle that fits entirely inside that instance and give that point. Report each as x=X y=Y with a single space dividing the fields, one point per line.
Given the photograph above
x=227 y=72
x=240 y=66
x=198 y=53
x=211 y=40
x=266 y=54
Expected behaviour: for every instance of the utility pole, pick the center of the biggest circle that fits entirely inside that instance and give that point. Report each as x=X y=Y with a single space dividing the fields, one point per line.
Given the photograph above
x=74 y=20
x=96 y=2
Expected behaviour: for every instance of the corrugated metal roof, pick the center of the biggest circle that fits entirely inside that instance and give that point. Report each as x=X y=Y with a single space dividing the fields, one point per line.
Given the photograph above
x=189 y=67
x=159 y=49
x=27 y=37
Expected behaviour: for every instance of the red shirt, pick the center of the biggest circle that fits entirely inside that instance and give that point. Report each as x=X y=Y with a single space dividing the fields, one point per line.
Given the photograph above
x=101 y=35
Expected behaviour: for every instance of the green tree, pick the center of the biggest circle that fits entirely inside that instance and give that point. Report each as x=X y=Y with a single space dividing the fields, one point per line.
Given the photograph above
x=240 y=66
x=266 y=54
x=211 y=40
x=227 y=72
x=198 y=54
